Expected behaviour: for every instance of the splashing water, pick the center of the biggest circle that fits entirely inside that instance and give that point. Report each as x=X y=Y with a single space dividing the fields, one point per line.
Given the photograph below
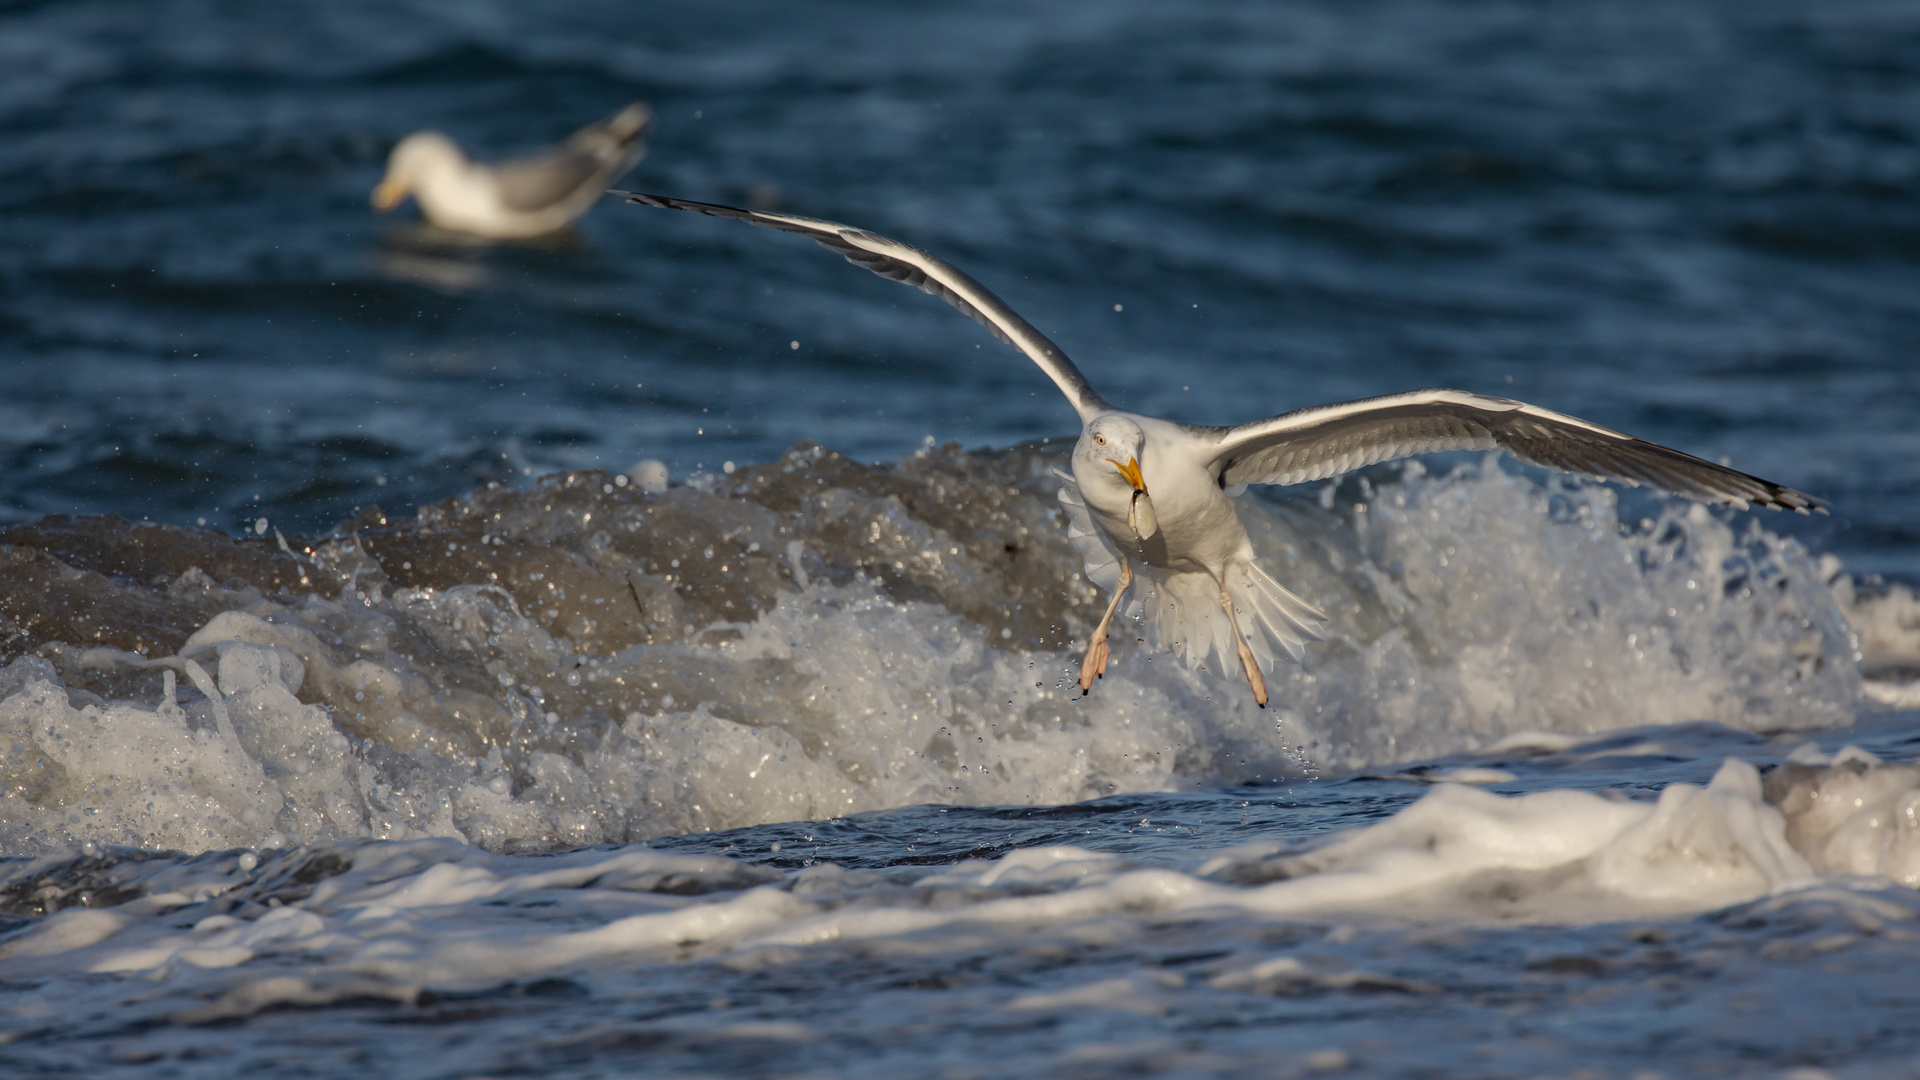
x=585 y=662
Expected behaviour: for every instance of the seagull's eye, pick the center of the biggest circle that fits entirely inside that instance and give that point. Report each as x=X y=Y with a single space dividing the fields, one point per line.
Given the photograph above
x=1099 y=440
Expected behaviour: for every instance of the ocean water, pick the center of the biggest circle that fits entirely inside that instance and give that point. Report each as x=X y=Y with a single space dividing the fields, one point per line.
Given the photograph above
x=364 y=709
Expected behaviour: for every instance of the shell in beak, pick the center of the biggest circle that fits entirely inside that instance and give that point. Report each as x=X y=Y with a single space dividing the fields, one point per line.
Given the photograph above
x=1141 y=518
x=1140 y=515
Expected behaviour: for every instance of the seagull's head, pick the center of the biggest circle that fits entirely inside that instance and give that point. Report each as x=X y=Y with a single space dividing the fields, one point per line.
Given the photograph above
x=407 y=167
x=1107 y=459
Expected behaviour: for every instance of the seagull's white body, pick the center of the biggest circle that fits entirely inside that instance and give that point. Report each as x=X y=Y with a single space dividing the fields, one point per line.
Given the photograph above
x=1155 y=493
x=1192 y=550
x=518 y=198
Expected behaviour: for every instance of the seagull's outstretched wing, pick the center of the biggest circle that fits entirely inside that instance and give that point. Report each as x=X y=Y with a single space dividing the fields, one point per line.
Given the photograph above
x=591 y=158
x=898 y=262
x=1325 y=441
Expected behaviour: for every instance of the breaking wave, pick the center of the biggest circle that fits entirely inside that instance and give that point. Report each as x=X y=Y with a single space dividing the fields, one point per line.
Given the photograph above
x=596 y=660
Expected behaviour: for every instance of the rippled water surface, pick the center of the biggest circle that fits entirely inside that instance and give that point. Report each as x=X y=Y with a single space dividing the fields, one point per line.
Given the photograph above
x=779 y=771
x=1697 y=223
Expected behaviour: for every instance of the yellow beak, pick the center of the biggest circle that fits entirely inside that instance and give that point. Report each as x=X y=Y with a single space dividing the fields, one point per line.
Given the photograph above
x=389 y=194
x=1131 y=470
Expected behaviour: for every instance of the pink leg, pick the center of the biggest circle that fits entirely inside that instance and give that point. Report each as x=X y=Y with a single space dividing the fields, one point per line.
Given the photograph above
x=1247 y=663
x=1094 y=664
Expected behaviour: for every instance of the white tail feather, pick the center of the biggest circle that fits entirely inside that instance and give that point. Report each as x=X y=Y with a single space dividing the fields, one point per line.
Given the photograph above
x=1183 y=616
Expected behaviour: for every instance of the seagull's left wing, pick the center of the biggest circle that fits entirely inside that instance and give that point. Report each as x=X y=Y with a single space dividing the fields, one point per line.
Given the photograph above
x=1325 y=441
x=929 y=273
x=591 y=158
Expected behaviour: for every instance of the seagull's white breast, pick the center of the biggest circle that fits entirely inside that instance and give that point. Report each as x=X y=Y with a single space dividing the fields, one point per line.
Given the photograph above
x=457 y=194
x=1198 y=531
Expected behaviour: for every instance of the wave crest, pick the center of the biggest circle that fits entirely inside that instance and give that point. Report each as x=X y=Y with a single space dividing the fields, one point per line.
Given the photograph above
x=584 y=662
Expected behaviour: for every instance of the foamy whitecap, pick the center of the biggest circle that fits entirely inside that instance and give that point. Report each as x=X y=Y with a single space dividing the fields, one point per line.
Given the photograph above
x=588 y=662
x=1886 y=621
x=328 y=915
x=1584 y=898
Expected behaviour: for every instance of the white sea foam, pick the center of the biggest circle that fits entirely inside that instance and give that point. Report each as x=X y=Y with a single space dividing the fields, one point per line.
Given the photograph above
x=1383 y=940
x=1467 y=609
x=400 y=916
x=1887 y=623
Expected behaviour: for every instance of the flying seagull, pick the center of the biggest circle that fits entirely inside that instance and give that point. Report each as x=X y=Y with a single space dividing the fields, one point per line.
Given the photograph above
x=520 y=197
x=1158 y=493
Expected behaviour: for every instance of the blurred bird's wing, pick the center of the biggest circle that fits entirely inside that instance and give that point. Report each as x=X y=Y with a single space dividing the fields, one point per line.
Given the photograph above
x=590 y=159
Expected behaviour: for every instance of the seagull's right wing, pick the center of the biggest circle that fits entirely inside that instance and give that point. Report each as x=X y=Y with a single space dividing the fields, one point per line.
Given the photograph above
x=1327 y=440
x=592 y=157
x=898 y=262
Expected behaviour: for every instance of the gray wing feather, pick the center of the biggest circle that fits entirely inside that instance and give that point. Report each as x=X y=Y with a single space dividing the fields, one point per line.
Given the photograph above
x=589 y=160
x=911 y=266
x=535 y=183
x=1317 y=443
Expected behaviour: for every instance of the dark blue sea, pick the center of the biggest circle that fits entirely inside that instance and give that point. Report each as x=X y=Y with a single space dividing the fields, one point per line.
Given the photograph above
x=359 y=716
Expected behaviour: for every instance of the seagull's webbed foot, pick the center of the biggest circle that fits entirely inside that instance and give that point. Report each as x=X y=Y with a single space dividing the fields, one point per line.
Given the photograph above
x=1247 y=662
x=1094 y=664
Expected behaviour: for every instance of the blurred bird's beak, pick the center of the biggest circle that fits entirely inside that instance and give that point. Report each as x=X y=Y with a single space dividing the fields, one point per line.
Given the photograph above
x=1131 y=470
x=388 y=194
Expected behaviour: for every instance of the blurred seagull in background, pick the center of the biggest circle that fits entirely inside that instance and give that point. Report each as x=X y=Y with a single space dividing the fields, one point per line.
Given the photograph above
x=520 y=197
x=1160 y=493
